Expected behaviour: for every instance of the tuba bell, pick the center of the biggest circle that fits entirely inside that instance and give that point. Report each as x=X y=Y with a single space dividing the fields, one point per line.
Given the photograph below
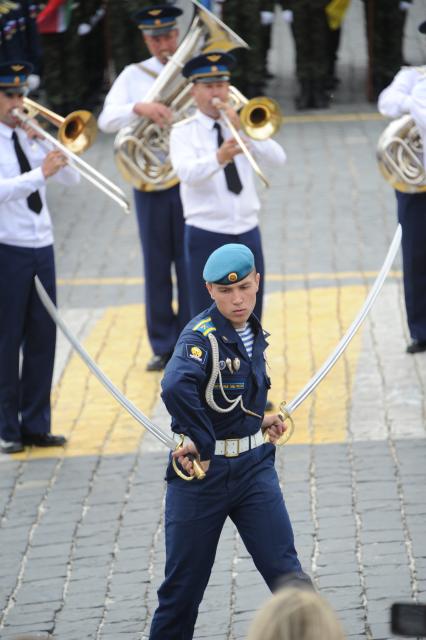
x=142 y=150
x=400 y=156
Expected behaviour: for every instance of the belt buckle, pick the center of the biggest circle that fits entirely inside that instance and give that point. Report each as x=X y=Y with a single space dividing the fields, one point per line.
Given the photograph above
x=229 y=443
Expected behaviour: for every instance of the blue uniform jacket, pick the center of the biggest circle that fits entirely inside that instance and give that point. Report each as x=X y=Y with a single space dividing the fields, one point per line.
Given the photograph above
x=188 y=372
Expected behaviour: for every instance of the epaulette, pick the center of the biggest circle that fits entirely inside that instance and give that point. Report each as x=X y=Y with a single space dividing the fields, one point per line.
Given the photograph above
x=184 y=121
x=205 y=326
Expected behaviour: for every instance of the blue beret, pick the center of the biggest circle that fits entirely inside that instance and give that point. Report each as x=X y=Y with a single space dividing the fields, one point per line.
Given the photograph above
x=157 y=19
x=14 y=75
x=228 y=264
x=209 y=67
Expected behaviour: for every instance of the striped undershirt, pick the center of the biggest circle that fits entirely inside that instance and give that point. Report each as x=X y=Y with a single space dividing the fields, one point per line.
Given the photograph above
x=247 y=336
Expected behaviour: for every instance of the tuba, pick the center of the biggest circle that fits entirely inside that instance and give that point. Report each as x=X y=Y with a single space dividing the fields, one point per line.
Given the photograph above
x=400 y=153
x=400 y=156
x=142 y=150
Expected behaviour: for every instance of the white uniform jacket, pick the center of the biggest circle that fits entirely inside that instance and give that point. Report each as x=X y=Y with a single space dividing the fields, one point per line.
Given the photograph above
x=207 y=202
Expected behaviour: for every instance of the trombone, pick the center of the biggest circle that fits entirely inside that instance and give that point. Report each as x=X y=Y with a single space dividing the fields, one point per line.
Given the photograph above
x=260 y=119
x=76 y=133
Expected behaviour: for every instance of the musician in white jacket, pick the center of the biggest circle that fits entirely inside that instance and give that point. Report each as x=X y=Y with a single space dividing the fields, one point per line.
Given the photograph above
x=26 y=250
x=220 y=202
x=159 y=212
x=407 y=95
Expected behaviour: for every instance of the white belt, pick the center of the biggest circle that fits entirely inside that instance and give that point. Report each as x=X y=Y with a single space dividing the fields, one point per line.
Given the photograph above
x=232 y=447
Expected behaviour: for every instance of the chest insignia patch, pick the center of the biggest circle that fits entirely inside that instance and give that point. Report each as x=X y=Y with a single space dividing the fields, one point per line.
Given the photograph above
x=194 y=352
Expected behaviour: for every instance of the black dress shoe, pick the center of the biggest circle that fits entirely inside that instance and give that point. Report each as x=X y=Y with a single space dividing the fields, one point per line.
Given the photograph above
x=44 y=440
x=157 y=363
x=9 y=446
x=417 y=346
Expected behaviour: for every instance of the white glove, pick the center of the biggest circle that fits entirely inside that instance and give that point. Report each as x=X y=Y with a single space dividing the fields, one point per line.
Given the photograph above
x=83 y=29
x=404 y=6
x=33 y=81
x=287 y=16
x=266 y=17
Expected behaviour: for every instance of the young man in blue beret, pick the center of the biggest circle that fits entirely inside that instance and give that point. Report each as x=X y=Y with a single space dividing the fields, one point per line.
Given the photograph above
x=26 y=250
x=159 y=211
x=215 y=388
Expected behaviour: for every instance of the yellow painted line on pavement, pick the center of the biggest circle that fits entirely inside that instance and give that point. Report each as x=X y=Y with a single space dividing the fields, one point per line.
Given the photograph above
x=83 y=410
x=304 y=326
x=333 y=117
x=304 y=330
x=270 y=277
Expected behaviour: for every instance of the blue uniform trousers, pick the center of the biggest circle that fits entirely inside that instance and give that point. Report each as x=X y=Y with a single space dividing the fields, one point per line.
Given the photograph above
x=161 y=225
x=24 y=323
x=247 y=490
x=199 y=244
x=412 y=216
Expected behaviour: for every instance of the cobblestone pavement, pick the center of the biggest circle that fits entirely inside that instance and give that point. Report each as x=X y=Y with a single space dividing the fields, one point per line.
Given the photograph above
x=81 y=529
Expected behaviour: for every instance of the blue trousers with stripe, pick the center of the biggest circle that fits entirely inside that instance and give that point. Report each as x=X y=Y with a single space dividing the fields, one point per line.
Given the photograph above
x=412 y=216
x=199 y=244
x=161 y=226
x=25 y=325
x=245 y=489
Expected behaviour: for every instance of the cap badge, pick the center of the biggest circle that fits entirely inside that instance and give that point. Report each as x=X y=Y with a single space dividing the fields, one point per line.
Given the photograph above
x=154 y=12
x=16 y=80
x=232 y=277
x=17 y=67
x=213 y=58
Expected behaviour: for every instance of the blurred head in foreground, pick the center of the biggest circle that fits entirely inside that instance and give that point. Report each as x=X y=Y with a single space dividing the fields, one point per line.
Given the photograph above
x=296 y=614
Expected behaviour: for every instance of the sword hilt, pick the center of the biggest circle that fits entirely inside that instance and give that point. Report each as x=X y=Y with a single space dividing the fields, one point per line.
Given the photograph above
x=283 y=415
x=199 y=472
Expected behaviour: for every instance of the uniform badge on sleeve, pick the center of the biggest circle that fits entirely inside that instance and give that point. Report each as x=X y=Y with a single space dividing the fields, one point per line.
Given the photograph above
x=194 y=352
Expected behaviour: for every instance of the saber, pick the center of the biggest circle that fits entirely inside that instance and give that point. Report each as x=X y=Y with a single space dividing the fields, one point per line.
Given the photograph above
x=287 y=409
x=127 y=404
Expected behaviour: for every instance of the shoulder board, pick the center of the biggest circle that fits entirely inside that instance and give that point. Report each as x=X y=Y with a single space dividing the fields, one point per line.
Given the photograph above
x=184 y=121
x=205 y=326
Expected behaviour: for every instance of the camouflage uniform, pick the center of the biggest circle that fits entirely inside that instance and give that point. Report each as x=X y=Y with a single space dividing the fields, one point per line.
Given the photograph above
x=384 y=22
x=244 y=19
x=64 y=72
x=124 y=40
x=310 y=32
x=266 y=31
x=93 y=49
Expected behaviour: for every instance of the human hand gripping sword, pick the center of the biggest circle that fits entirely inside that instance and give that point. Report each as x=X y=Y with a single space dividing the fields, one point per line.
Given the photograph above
x=131 y=408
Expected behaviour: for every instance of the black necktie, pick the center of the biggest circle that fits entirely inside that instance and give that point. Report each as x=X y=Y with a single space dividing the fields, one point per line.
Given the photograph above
x=33 y=200
x=231 y=173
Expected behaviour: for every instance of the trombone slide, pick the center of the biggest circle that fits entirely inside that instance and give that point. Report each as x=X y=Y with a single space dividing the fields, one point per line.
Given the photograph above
x=83 y=168
x=216 y=102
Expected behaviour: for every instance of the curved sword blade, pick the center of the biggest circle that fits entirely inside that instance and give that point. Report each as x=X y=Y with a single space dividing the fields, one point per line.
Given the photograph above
x=358 y=320
x=97 y=371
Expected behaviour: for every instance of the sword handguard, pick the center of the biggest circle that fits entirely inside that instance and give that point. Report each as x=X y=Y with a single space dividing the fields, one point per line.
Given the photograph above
x=283 y=415
x=199 y=472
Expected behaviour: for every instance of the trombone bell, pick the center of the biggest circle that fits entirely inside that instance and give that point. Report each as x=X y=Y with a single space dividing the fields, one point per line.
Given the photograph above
x=261 y=118
x=78 y=131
